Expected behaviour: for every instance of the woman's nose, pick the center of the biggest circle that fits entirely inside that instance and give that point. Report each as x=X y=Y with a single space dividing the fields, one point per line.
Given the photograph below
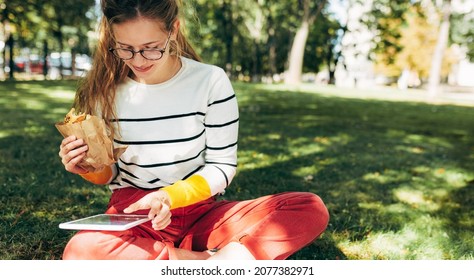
x=138 y=59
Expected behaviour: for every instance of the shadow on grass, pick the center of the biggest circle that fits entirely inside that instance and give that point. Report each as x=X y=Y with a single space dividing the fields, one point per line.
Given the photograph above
x=396 y=177
x=36 y=193
x=390 y=172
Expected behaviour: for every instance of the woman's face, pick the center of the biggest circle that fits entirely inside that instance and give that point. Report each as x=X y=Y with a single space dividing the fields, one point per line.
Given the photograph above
x=142 y=34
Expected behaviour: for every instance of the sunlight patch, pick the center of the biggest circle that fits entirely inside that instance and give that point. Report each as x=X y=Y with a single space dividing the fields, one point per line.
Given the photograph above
x=274 y=136
x=408 y=243
x=410 y=149
x=4 y=134
x=60 y=94
x=421 y=169
x=253 y=160
x=299 y=149
x=388 y=176
x=409 y=196
x=415 y=198
x=370 y=205
x=35 y=104
x=307 y=172
x=454 y=178
x=426 y=140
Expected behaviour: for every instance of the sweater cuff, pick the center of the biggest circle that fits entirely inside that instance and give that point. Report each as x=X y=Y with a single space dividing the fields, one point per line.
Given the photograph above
x=187 y=192
x=99 y=178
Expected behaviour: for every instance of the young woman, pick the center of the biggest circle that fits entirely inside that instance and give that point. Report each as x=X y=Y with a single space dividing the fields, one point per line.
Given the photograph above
x=179 y=118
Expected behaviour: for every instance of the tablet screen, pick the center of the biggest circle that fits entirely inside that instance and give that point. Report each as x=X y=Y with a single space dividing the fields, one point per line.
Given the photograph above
x=106 y=222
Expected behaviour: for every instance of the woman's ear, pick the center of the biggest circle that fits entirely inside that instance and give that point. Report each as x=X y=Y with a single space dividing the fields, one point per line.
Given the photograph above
x=176 y=26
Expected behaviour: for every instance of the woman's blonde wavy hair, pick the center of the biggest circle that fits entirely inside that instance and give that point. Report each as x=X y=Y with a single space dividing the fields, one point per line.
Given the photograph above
x=96 y=92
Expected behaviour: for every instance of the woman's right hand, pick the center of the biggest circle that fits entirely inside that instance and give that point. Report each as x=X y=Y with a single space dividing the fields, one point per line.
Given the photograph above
x=71 y=152
x=159 y=204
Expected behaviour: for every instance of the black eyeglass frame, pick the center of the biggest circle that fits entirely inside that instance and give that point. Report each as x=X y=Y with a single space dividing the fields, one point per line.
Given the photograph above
x=161 y=50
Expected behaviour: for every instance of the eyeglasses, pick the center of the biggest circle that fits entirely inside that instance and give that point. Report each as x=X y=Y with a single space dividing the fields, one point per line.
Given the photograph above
x=150 y=54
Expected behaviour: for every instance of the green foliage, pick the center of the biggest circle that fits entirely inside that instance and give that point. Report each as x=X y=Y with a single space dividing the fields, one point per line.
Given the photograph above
x=418 y=33
x=68 y=22
x=462 y=32
x=397 y=177
x=394 y=25
x=385 y=17
x=253 y=38
x=321 y=50
x=43 y=26
x=247 y=38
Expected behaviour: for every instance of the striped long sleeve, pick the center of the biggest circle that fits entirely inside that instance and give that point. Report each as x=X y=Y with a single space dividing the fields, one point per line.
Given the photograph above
x=186 y=126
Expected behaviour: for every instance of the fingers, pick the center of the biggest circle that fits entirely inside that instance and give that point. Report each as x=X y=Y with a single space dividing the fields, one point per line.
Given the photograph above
x=70 y=144
x=72 y=151
x=142 y=204
x=161 y=223
x=158 y=210
x=65 y=142
x=159 y=214
x=70 y=158
x=135 y=207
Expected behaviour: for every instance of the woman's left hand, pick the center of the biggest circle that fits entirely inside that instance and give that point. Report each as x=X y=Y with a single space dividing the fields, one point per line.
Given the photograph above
x=159 y=205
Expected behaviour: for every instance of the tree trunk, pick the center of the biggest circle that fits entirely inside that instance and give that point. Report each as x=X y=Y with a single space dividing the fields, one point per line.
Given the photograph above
x=295 y=62
x=256 y=77
x=229 y=35
x=4 y=53
x=331 y=65
x=73 y=62
x=10 y=44
x=61 y=48
x=437 y=60
x=45 y=58
x=272 y=69
x=58 y=34
x=295 y=67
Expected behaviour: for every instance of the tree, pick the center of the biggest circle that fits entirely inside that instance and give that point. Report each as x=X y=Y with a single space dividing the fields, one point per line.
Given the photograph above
x=296 y=57
x=441 y=45
x=417 y=34
x=385 y=19
x=16 y=17
x=214 y=34
x=253 y=38
x=462 y=31
x=33 y=22
x=397 y=35
x=68 y=24
x=325 y=49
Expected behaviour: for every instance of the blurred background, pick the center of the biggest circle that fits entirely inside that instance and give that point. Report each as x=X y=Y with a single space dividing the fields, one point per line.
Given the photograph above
x=421 y=44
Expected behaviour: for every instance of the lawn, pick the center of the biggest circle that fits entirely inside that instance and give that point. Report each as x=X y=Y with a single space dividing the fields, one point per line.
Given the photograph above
x=397 y=176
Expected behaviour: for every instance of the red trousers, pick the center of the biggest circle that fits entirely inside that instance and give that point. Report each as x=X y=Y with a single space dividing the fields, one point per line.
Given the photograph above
x=271 y=227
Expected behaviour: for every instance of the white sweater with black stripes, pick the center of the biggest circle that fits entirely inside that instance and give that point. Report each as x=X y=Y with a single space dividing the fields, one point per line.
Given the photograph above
x=184 y=126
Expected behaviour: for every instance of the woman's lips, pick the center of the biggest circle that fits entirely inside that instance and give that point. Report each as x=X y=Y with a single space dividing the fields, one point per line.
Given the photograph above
x=142 y=69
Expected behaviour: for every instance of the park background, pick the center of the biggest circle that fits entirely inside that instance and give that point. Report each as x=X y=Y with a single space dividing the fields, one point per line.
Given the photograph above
x=365 y=103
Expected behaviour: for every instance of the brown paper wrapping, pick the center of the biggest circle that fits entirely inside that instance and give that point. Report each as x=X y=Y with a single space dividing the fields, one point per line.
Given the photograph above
x=101 y=152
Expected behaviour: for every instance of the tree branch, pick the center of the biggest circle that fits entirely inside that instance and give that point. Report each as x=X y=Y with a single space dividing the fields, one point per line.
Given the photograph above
x=312 y=18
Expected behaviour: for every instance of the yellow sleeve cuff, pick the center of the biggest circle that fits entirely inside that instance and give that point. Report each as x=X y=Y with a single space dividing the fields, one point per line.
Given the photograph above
x=187 y=192
x=99 y=178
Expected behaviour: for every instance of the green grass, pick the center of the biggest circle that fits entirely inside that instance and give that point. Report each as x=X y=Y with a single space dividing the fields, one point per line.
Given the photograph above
x=397 y=176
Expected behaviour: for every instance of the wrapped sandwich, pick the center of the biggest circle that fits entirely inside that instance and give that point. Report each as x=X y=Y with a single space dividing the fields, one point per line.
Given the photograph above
x=92 y=130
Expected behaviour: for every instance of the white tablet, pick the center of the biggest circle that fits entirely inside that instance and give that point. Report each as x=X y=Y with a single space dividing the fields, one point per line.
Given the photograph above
x=113 y=222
